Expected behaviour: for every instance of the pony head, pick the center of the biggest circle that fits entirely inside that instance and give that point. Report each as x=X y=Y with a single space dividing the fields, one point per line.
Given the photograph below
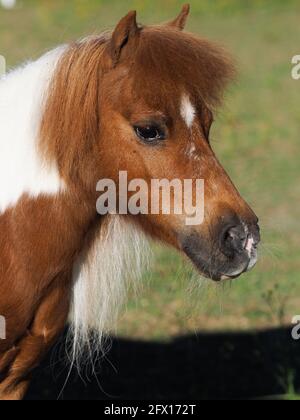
x=142 y=100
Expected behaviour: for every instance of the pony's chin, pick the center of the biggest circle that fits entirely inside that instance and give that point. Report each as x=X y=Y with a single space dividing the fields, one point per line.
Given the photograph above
x=217 y=276
x=230 y=270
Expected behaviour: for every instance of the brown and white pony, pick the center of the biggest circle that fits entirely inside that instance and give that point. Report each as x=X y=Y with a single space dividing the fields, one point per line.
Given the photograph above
x=141 y=100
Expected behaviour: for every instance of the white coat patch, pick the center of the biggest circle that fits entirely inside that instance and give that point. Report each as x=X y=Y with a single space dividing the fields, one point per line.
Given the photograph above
x=22 y=95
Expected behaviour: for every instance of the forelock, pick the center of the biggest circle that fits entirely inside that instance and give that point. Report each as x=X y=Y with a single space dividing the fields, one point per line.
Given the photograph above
x=168 y=62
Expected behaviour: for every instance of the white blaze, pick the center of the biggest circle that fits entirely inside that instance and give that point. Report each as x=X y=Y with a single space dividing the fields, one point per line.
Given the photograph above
x=187 y=111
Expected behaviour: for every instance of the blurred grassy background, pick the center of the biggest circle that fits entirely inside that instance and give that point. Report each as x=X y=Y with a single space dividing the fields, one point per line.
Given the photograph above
x=256 y=136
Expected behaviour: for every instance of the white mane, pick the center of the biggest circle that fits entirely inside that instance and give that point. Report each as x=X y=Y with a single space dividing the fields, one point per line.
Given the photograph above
x=101 y=282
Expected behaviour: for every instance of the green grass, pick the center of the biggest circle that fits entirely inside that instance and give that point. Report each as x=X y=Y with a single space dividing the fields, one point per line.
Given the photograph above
x=256 y=136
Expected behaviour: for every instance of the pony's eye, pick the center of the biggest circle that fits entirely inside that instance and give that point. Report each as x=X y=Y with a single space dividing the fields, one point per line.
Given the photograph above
x=150 y=133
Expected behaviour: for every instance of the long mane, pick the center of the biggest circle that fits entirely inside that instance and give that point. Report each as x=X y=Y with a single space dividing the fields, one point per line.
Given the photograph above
x=70 y=124
x=102 y=277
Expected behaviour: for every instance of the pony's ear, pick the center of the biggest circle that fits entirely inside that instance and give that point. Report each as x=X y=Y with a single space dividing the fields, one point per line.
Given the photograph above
x=126 y=29
x=180 y=21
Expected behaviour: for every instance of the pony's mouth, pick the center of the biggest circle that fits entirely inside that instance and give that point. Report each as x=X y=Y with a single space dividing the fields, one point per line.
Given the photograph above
x=217 y=266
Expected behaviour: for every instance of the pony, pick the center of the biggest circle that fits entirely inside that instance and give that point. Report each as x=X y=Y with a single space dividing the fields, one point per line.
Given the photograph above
x=139 y=99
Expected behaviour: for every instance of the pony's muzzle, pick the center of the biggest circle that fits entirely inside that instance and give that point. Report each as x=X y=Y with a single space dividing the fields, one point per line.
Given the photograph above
x=239 y=243
x=231 y=252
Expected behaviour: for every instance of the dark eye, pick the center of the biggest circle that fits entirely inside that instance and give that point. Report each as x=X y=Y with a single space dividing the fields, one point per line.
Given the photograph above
x=150 y=133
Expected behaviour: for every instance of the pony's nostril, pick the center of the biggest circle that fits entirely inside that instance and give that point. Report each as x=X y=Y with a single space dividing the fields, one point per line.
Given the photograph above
x=234 y=240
